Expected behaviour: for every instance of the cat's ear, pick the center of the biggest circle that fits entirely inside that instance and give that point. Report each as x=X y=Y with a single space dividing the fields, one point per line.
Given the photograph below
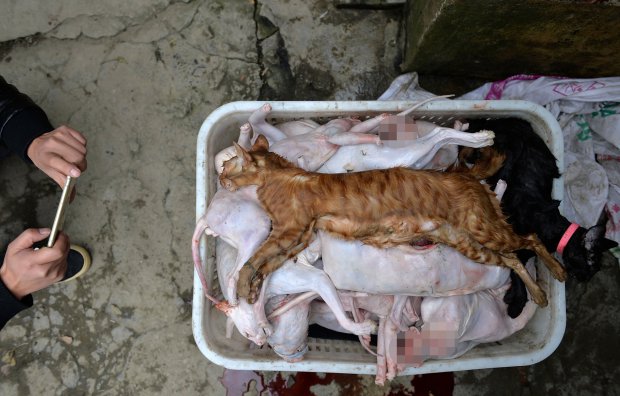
x=261 y=144
x=607 y=244
x=595 y=236
x=241 y=153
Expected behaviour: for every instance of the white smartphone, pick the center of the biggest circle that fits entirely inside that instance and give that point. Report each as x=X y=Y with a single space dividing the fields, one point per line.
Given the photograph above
x=59 y=220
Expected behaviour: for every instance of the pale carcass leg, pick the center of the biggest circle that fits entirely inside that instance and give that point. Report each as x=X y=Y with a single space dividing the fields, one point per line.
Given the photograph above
x=364 y=339
x=261 y=127
x=245 y=136
x=390 y=341
x=369 y=125
x=381 y=361
x=352 y=138
x=397 y=311
x=440 y=136
x=201 y=226
x=259 y=310
x=301 y=277
x=359 y=134
x=230 y=327
x=411 y=311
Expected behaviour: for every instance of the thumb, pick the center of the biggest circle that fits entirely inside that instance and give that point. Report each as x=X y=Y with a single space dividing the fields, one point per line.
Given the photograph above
x=26 y=239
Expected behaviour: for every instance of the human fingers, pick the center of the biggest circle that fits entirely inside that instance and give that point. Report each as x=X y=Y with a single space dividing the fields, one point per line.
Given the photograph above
x=27 y=270
x=52 y=154
x=56 y=253
x=66 y=147
x=65 y=167
x=26 y=239
x=77 y=135
x=59 y=178
x=54 y=141
x=61 y=244
x=70 y=140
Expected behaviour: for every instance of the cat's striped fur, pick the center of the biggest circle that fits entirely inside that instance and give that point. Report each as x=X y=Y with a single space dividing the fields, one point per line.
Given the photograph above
x=382 y=208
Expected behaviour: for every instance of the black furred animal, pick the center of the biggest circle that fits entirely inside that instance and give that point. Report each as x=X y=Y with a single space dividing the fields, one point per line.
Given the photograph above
x=529 y=168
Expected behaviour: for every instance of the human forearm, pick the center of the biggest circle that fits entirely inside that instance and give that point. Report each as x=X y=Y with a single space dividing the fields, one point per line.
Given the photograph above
x=11 y=305
x=21 y=120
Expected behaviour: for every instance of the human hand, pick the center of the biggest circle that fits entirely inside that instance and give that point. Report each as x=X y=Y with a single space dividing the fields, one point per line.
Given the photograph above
x=59 y=153
x=26 y=270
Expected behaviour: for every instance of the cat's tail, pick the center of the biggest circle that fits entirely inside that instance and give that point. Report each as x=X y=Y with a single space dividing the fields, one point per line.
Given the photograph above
x=201 y=226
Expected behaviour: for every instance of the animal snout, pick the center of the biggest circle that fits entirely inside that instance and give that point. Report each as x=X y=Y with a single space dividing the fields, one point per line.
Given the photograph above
x=258 y=339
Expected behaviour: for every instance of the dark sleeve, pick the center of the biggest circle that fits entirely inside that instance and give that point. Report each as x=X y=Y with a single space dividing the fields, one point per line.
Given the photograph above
x=11 y=306
x=21 y=120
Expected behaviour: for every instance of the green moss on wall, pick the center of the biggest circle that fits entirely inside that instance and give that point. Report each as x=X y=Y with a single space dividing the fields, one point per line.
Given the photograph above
x=496 y=38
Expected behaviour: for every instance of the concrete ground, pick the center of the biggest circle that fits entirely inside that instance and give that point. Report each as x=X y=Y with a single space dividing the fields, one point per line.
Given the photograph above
x=138 y=78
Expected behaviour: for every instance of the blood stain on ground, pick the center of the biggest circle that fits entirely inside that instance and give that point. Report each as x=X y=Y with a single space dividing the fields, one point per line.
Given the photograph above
x=238 y=382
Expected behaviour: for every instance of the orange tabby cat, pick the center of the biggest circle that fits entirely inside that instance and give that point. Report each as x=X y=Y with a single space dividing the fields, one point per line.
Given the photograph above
x=382 y=208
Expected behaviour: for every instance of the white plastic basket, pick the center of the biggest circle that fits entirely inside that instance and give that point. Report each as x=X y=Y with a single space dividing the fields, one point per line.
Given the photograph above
x=532 y=344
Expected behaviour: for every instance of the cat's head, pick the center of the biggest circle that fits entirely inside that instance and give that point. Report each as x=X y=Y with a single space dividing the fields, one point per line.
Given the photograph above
x=582 y=257
x=482 y=162
x=251 y=164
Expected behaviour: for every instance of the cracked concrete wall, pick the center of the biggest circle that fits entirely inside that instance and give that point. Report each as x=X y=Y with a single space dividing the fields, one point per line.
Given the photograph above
x=69 y=18
x=138 y=78
x=139 y=97
x=335 y=68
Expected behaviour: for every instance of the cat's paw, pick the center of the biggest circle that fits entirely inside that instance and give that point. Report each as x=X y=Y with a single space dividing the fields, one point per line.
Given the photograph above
x=539 y=297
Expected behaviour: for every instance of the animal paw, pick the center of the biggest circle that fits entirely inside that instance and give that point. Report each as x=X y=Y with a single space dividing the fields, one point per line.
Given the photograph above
x=209 y=231
x=540 y=298
x=560 y=274
x=460 y=126
x=392 y=370
x=224 y=307
x=266 y=108
x=245 y=128
x=483 y=138
x=364 y=328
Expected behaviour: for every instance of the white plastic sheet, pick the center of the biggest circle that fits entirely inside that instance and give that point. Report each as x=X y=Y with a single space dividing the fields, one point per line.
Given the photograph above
x=588 y=110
